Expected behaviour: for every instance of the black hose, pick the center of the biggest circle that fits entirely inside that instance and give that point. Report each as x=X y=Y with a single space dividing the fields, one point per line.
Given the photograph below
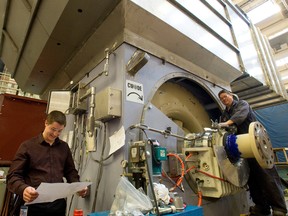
x=151 y=183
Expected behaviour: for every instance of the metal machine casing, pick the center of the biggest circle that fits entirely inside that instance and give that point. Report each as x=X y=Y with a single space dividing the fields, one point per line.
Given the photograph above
x=190 y=59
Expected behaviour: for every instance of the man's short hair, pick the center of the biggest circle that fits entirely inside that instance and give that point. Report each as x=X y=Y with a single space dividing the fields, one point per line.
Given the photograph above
x=56 y=116
x=224 y=91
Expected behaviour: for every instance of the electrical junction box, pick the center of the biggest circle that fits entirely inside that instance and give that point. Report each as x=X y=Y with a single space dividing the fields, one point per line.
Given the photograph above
x=135 y=154
x=78 y=105
x=160 y=153
x=108 y=104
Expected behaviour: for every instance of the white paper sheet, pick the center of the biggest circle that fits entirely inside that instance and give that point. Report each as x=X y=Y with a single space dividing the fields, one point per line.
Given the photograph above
x=49 y=192
x=117 y=140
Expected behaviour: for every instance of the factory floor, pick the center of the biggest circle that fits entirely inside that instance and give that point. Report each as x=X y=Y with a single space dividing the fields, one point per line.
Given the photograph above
x=286 y=198
x=283 y=174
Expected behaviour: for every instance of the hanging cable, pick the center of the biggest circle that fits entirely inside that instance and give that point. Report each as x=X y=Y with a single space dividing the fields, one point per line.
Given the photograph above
x=199 y=198
x=212 y=176
x=180 y=179
x=151 y=185
x=165 y=175
x=150 y=179
x=100 y=170
x=199 y=192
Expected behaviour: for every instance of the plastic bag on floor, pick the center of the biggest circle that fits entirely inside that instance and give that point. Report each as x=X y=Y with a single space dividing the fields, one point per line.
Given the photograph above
x=130 y=201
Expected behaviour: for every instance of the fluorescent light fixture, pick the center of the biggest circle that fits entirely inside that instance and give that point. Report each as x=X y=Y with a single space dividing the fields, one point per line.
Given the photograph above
x=278 y=33
x=284 y=77
x=265 y=10
x=282 y=61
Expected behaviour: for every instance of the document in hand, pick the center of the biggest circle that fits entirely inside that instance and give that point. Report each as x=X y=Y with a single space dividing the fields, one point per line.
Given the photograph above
x=49 y=192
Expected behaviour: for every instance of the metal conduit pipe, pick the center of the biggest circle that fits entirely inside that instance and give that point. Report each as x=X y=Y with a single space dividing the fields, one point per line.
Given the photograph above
x=276 y=74
x=91 y=120
x=242 y=67
x=266 y=60
x=259 y=48
x=269 y=62
x=276 y=83
x=237 y=11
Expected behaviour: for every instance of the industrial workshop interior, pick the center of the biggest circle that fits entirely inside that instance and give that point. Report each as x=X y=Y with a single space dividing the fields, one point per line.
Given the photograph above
x=138 y=82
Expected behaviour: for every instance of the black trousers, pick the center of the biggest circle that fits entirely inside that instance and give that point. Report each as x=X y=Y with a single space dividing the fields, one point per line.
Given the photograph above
x=265 y=188
x=56 y=208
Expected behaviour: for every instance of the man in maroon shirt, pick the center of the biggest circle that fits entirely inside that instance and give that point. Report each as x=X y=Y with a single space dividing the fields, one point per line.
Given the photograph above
x=44 y=158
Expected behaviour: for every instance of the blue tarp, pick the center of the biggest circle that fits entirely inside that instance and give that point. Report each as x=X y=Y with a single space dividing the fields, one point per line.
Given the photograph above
x=275 y=120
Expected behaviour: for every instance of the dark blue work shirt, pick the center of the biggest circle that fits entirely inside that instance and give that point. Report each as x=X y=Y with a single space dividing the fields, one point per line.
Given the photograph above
x=241 y=114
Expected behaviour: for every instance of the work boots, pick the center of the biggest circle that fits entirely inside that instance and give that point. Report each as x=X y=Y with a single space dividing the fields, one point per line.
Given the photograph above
x=254 y=211
x=278 y=213
x=257 y=211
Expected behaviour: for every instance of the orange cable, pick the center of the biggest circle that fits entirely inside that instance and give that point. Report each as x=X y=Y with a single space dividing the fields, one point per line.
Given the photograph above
x=180 y=179
x=199 y=198
x=183 y=172
x=212 y=176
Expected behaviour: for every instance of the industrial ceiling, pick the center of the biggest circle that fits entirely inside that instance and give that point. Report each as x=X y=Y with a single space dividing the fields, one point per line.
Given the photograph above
x=39 y=59
x=275 y=28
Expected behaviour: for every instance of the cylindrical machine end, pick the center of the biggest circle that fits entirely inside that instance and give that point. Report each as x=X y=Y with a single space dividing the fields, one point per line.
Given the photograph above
x=257 y=144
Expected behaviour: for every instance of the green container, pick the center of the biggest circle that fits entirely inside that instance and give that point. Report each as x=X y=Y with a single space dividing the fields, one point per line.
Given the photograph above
x=160 y=154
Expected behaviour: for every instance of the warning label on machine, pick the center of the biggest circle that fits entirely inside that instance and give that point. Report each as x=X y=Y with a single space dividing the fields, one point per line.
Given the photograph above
x=134 y=92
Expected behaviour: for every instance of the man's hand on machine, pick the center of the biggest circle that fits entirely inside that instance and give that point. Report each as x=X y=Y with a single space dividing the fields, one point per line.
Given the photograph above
x=223 y=125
